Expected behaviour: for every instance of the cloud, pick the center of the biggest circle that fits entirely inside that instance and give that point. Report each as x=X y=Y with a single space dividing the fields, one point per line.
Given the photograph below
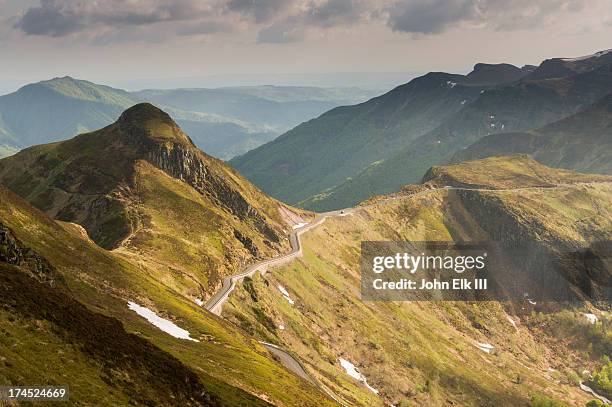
x=429 y=16
x=435 y=16
x=280 y=33
x=57 y=18
x=276 y=21
x=336 y=12
x=314 y=16
x=259 y=10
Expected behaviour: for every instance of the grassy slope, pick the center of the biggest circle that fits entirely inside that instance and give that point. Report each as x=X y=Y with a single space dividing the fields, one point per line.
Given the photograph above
x=505 y=172
x=225 y=361
x=114 y=187
x=424 y=353
x=580 y=142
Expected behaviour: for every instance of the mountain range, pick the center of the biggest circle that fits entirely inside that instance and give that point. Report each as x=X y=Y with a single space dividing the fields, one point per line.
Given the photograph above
x=112 y=242
x=141 y=270
x=354 y=152
x=224 y=121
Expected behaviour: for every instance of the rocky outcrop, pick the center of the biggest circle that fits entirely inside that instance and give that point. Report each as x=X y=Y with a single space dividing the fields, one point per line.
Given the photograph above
x=13 y=252
x=186 y=165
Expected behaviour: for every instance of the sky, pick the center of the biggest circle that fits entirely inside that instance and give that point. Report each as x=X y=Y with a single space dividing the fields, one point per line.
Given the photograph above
x=143 y=43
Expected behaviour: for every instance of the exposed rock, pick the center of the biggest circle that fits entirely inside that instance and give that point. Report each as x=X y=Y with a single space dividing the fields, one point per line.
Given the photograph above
x=13 y=252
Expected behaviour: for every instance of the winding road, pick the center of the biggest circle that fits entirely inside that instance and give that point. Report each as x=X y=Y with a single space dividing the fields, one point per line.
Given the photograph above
x=215 y=303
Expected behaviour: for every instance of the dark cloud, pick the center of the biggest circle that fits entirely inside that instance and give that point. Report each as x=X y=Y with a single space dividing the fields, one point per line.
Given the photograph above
x=58 y=18
x=434 y=16
x=259 y=10
x=335 y=12
x=50 y=19
x=277 y=21
x=429 y=16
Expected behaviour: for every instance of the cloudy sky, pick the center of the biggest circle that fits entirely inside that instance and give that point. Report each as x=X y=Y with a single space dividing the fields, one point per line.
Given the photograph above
x=124 y=41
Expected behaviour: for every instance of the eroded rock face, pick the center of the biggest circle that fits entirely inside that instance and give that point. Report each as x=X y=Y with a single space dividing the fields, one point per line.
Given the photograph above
x=13 y=252
x=186 y=165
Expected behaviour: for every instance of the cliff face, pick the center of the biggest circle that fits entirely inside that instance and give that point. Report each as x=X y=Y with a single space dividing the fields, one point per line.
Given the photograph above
x=185 y=164
x=140 y=185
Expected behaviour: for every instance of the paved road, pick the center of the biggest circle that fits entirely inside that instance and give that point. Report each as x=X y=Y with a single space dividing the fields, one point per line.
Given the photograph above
x=215 y=304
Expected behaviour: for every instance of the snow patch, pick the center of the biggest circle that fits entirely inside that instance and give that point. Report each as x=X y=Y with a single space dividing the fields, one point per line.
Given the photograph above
x=285 y=294
x=592 y=318
x=165 y=325
x=485 y=347
x=463 y=102
x=451 y=84
x=532 y=302
x=199 y=302
x=352 y=371
x=299 y=225
x=281 y=327
x=511 y=322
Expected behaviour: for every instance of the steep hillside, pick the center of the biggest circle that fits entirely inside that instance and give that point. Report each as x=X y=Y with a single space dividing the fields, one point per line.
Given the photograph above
x=65 y=320
x=141 y=187
x=58 y=109
x=581 y=142
x=323 y=152
x=521 y=106
x=440 y=353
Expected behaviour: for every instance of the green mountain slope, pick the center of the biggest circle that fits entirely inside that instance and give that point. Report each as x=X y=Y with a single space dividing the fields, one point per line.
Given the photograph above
x=581 y=142
x=323 y=152
x=517 y=107
x=434 y=353
x=140 y=187
x=66 y=321
x=57 y=109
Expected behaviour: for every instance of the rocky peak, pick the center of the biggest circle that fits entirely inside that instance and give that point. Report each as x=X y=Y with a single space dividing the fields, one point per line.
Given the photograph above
x=147 y=121
x=494 y=73
x=144 y=112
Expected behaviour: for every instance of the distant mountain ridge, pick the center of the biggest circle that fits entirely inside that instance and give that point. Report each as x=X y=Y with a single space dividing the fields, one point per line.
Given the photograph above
x=352 y=153
x=225 y=122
